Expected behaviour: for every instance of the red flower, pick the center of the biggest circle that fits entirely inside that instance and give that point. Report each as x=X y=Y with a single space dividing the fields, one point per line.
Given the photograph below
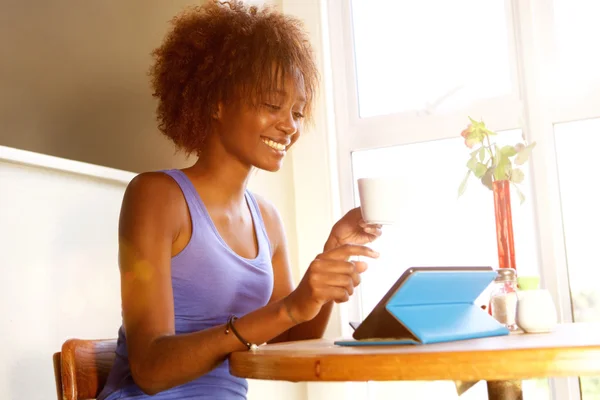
x=466 y=132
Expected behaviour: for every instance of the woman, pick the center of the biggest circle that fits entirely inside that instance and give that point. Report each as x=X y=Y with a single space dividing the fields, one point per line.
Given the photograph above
x=204 y=265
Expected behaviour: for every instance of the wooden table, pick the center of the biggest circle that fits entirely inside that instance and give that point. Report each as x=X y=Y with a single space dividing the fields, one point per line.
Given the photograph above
x=571 y=350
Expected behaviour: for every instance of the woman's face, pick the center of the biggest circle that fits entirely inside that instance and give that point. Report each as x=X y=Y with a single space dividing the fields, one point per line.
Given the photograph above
x=260 y=136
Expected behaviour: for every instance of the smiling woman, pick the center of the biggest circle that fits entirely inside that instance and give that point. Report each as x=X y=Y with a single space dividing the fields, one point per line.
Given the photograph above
x=229 y=55
x=246 y=124
x=203 y=261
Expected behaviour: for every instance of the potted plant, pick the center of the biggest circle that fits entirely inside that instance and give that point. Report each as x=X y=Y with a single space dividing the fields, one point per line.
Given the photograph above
x=497 y=168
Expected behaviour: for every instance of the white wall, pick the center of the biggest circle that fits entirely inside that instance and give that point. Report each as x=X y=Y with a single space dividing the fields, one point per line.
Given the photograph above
x=58 y=249
x=58 y=262
x=279 y=188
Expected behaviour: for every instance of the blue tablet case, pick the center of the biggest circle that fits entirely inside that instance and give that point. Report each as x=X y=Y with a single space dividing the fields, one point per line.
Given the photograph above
x=430 y=305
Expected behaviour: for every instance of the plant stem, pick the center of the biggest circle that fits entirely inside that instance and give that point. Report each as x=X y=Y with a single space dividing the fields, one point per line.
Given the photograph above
x=491 y=152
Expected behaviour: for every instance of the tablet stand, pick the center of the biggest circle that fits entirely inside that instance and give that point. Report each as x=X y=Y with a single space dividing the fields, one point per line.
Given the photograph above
x=430 y=305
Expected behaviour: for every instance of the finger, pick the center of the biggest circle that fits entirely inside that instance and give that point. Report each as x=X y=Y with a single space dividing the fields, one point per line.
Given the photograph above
x=360 y=266
x=346 y=251
x=329 y=293
x=357 y=268
x=364 y=224
x=340 y=267
x=356 y=279
x=343 y=281
x=334 y=266
x=373 y=230
x=347 y=268
x=339 y=295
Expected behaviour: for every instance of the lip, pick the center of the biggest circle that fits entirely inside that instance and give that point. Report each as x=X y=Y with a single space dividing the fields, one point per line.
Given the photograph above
x=282 y=141
x=280 y=153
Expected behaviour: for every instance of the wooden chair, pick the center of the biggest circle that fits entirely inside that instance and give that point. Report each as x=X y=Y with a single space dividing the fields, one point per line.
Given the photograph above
x=81 y=368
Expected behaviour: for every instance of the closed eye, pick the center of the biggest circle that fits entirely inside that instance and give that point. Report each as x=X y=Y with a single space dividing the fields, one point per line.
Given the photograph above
x=272 y=106
x=297 y=115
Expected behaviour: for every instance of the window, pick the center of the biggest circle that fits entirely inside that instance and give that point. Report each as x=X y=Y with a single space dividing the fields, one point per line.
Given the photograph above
x=406 y=76
x=461 y=230
x=576 y=32
x=410 y=58
x=576 y=144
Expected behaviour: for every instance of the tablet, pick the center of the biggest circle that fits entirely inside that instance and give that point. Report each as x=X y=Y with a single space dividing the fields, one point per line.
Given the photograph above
x=429 y=304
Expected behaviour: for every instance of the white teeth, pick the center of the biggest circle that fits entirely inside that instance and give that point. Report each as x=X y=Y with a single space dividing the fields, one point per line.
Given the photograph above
x=274 y=145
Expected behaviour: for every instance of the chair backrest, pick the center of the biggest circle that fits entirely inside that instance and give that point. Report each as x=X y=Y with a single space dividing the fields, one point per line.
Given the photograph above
x=82 y=367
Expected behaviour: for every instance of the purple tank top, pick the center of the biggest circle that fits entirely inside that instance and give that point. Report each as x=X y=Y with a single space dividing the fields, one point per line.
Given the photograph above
x=210 y=283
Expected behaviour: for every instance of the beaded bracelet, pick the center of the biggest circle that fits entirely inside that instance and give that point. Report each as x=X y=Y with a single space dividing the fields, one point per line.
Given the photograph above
x=251 y=346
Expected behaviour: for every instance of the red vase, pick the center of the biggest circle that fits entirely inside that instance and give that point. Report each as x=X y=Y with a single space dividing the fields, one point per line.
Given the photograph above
x=504 y=228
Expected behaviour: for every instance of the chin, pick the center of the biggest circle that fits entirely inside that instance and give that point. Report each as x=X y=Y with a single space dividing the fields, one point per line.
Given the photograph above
x=270 y=164
x=270 y=167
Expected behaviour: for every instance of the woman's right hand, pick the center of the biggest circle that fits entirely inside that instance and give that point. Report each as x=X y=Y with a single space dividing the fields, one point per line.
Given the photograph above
x=330 y=277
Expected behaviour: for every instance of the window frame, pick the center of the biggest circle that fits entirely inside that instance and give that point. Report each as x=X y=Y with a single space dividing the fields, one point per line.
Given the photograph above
x=536 y=106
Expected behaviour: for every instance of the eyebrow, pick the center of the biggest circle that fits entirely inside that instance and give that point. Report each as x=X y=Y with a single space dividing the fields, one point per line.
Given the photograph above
x=284 y=94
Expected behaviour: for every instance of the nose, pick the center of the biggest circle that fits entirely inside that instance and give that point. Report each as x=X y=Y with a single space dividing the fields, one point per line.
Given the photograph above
x=288 y=125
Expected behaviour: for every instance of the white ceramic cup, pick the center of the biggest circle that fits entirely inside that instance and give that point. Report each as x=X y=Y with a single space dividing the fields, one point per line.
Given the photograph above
x=380 y=200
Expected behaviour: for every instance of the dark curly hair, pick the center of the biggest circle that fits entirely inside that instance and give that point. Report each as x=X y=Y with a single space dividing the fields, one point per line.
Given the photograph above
x=225 y=52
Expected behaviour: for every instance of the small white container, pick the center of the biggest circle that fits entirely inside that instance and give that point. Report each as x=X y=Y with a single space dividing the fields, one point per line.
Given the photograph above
x=503 y=298
x=536 y=312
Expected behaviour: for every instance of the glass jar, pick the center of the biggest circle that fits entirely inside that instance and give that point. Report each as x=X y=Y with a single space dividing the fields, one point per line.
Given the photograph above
x=503 y=298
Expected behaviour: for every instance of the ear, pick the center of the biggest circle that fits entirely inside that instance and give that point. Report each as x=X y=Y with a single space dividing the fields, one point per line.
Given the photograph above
x=218 y=112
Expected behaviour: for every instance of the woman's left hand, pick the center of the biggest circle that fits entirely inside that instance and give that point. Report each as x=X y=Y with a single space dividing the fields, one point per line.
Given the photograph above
x=351 y=229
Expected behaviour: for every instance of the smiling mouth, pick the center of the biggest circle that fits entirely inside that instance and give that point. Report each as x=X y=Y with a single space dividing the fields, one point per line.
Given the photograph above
x=273 y=145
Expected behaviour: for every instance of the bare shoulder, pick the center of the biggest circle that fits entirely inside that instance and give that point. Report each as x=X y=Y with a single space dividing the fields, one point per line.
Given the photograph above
x=153 y=197
x=267 y=208
x=156 y=185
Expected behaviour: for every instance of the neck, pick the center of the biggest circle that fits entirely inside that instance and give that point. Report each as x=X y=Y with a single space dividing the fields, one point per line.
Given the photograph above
x=221 y=177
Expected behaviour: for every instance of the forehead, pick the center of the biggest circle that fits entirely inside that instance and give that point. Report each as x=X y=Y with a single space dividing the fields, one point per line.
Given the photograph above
x=275 y=83
x=289 y=86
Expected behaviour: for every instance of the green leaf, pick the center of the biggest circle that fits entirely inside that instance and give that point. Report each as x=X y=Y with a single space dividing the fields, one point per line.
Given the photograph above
x=508 y=151
x=498 y=154
x=520 y=194
x=487 y=178
x=472 y=163
x=479 y=128
x=463 y=184
x=479 y=170
x=523 y=155
x=517 y=175
x=482 y=154
x=491 y=133
x=503 y=167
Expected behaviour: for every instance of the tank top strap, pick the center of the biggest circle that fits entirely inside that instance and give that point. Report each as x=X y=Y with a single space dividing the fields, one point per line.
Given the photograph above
x=257 y=217
x=197 y=209
x=189 y=193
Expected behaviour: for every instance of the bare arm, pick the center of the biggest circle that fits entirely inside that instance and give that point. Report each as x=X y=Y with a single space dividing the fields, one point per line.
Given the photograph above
x=283 y=282
x=151 y=220
x=149 y=225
